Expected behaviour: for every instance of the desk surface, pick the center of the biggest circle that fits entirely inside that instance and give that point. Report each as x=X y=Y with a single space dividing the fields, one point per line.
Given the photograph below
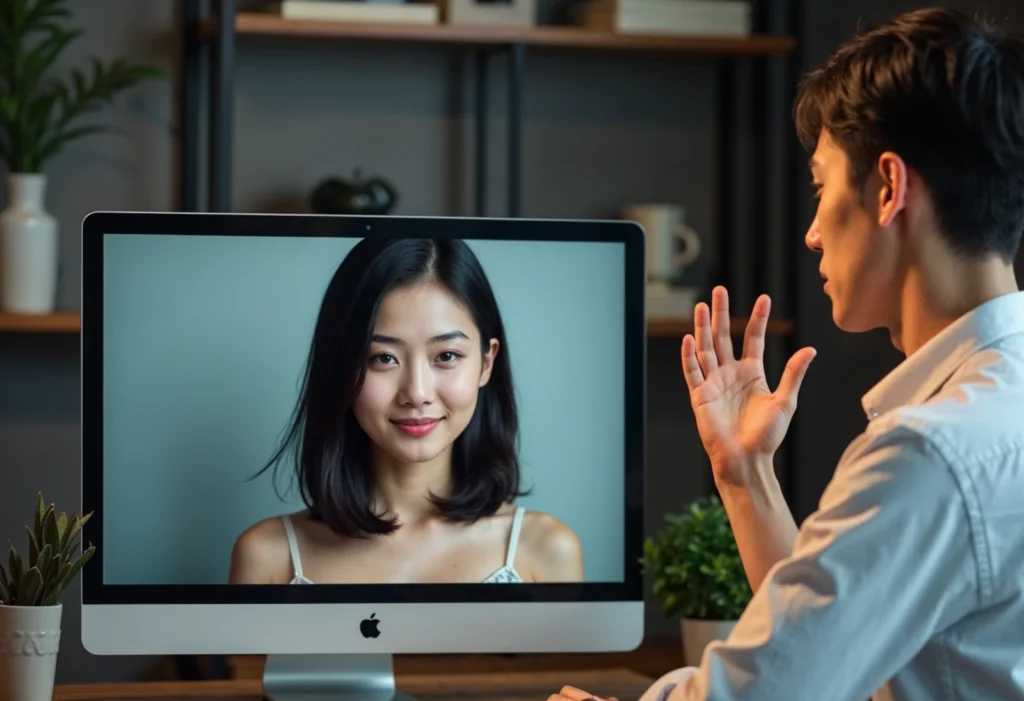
x=623 y=684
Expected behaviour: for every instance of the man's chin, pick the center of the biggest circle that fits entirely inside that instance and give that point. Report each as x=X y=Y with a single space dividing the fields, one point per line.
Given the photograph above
x=849 y=322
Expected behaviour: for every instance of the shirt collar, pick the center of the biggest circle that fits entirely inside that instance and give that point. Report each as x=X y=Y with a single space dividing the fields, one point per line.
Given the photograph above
x=922 y=374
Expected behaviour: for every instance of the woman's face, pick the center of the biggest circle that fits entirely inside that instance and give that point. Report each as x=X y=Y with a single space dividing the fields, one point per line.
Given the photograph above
x=423 y=374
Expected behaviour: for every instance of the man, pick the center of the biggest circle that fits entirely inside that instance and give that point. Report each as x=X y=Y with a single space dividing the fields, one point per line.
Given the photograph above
x=908 y=581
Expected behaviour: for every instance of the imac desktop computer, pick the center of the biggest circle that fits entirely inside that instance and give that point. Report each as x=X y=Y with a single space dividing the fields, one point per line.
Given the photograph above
x=332 y=439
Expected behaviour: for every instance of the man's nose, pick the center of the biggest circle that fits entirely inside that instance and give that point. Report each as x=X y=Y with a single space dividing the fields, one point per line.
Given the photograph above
x=813 y=237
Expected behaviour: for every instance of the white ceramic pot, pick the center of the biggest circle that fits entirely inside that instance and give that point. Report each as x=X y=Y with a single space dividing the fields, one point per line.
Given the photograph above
x=29 y=248
x=697 y=634
x=29 y=641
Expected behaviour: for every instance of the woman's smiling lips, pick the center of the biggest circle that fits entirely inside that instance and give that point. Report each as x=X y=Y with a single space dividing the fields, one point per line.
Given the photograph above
x=417 y=427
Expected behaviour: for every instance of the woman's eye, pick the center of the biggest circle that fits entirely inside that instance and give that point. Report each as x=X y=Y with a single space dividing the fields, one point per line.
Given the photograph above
x=448 y=357
x=383 y=359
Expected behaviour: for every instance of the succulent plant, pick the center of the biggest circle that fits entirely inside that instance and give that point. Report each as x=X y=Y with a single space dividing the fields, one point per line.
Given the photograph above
x=53 y=559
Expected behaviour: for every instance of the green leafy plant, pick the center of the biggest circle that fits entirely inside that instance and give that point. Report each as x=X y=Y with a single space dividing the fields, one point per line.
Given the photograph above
x=39 y=115
x=696 y=565
x=53 y=559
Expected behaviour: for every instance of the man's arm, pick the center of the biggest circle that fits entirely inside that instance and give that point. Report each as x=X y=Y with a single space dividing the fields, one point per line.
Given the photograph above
x=885 y=562
x=760 y=519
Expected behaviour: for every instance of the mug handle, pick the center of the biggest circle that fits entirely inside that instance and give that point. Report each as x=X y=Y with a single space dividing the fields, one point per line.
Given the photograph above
x=691 y=245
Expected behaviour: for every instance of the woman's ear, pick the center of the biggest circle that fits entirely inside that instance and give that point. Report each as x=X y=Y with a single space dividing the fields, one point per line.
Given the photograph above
x=488 y=364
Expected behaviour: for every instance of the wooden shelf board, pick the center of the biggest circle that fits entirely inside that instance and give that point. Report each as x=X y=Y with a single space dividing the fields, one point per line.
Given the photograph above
x=268 y=24
x=69 y=322
x=59 y=322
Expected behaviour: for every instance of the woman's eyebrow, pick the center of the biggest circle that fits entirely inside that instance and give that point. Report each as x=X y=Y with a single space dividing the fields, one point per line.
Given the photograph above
x=440 y=338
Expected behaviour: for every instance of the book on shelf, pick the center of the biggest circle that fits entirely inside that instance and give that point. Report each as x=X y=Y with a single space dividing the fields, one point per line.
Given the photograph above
x=720 y=18
x=396 y=11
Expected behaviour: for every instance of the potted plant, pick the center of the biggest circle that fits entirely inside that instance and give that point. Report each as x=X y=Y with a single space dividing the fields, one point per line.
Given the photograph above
x=697 y=574
x=39 y=115
x=30 y=608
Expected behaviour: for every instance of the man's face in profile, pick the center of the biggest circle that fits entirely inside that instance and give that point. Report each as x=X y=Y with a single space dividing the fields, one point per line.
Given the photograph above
x=858 y=255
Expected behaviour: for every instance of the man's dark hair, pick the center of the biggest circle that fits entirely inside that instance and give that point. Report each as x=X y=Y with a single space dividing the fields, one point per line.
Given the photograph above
x=946 y=93
x=333 y=463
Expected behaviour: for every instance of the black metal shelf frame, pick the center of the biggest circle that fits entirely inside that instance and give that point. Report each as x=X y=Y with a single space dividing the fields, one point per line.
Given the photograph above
x=771 y=16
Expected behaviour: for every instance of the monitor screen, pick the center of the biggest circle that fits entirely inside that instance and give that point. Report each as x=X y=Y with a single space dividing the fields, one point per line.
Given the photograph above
x=286 y=410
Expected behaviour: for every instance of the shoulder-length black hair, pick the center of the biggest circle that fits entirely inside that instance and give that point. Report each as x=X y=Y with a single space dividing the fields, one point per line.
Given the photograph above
x=332 y=452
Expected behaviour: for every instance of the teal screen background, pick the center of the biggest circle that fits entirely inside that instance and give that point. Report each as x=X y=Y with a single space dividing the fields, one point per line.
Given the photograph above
x=205 y=339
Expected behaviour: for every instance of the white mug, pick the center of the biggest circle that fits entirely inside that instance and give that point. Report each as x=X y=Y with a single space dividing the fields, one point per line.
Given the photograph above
x=666 y=228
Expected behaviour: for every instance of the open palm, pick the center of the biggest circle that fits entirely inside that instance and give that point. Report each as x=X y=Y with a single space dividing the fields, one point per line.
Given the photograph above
x=738 y=416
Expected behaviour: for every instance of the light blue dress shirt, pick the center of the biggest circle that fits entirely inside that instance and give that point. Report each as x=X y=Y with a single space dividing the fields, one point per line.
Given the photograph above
x=908 y=581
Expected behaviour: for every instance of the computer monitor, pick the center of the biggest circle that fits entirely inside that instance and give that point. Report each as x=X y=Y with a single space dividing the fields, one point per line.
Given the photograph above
x=331 y=439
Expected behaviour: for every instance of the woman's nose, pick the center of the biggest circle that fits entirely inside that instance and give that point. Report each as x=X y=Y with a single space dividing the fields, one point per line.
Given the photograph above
x=418 y=384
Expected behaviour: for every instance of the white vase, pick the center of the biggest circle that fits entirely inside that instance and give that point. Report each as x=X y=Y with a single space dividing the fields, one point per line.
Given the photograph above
x=29 y=641
x=697 y=634
x=29 y=248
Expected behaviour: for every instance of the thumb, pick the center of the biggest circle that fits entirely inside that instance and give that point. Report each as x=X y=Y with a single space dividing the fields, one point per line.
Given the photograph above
x=793 y=377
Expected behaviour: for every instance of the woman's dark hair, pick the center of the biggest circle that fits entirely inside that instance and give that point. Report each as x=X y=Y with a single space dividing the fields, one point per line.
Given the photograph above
x=946 y=93
x=333 y=463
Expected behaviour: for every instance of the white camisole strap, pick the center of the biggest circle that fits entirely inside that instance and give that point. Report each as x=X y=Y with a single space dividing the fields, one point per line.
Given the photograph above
x=293 y=545
x=513 y=539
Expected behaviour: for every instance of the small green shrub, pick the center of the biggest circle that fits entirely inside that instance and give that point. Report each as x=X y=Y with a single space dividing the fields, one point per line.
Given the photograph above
x=696 y=565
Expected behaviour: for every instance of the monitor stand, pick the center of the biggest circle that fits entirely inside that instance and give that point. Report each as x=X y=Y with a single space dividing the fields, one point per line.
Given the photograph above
x=356 y=677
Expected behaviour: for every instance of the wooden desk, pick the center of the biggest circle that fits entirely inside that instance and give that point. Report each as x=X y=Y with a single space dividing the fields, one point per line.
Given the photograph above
x=623 y=684
x=655 y=656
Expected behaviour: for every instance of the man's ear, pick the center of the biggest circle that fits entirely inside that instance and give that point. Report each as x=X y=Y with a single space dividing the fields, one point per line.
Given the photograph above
x=892 y=195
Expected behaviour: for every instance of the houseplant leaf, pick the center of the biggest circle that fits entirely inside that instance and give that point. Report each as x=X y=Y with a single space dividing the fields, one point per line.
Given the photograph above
x=29 y=587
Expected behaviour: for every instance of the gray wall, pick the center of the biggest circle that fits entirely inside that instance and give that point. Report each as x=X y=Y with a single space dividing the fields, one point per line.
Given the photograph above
x=308 y=109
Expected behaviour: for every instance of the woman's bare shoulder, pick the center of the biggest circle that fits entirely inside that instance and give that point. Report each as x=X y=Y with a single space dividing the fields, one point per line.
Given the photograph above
x=261 y=554
x=552 y=548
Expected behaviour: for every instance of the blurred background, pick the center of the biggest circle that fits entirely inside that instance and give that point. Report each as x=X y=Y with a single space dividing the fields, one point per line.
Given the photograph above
x=553 y=108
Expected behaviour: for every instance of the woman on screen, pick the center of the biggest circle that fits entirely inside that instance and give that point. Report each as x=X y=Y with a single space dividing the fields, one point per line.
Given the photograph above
x=405 y=435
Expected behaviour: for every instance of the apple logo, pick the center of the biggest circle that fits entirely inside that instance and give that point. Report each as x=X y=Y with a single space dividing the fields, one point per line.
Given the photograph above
x=368 y=626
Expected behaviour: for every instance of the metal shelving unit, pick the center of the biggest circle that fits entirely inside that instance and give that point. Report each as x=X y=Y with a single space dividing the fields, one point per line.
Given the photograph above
x=768 y=84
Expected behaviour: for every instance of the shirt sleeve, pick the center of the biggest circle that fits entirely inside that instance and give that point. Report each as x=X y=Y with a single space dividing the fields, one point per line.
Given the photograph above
x=661 y=689
x=884 y=563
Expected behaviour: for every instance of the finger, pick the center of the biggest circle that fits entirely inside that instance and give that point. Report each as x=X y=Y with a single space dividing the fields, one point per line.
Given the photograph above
x=705 y=343
x=793 y=377
x=753 y=338
x=720 y=325
x=692 y=373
